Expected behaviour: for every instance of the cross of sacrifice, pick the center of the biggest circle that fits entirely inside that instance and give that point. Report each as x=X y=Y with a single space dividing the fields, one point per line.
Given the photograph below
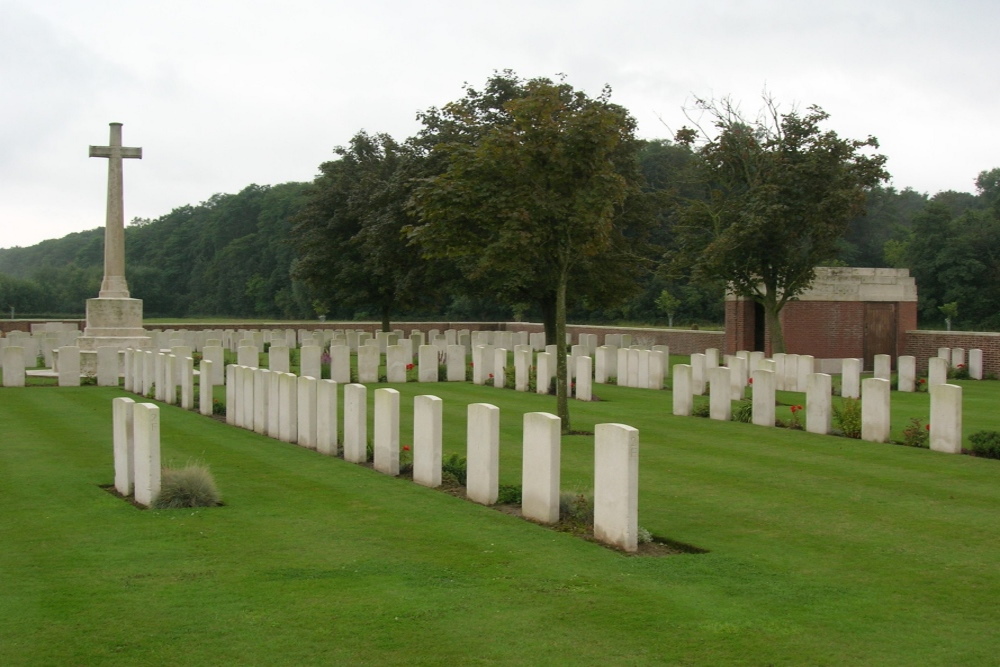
x=114 y=286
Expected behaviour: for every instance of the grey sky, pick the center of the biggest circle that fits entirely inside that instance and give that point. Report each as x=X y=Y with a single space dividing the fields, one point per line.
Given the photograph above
x=224 y=93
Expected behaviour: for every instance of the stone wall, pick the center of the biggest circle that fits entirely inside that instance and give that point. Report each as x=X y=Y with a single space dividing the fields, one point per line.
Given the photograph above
x=924 y=345
x=6 y=326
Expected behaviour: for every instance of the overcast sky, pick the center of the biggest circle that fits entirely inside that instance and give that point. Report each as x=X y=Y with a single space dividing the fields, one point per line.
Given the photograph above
x=224 y=93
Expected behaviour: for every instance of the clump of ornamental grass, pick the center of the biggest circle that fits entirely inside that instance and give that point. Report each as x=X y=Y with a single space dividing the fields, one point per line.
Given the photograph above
x=190 y=486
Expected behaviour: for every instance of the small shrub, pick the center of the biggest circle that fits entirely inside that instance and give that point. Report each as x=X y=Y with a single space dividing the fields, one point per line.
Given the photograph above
x=701 y=410
x=847 y=417
x=960 y=372
x=743 y=412
x=644 y=536
x=916 y=434
x=455 y=467
x=576 y=508
x=795 y=421
x=190 y=486
x=509 y=494
x=218 y=407
x=986 y=444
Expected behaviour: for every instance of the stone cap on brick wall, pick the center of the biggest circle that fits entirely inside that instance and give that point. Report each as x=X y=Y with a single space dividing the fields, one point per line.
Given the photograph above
x=848 y=283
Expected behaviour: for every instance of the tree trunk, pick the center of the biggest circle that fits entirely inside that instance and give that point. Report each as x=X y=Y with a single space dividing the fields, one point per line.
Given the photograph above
x=771 y=314
x=562 y=400
x=386 y=312
x=547 y=303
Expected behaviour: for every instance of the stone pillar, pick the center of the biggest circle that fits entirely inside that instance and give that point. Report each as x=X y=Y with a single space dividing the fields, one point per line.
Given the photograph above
x=124 y=444
x=544 y=372
x=720 y=406
x=957 y=357
x=483 y=453
x=944 y=353
x=683 y=398
x=763 y=397
x=737 y=377
x=698 y=374
x=107 y=366
x=906 y=373
x=642 y=369
x=850 y=378
x=355 y=423
x=883 y=366
x=248 y=355
x=310 y=361
x=205 y=370
x=395 y=363
x=326 y=417
x=819 y=404
x=216 y=355
x=288 y=408
x=186 y=377
x=937 y=371
x=976 y=364
x=603 y=366
x=369 y=359
x=711 y=358
x=634 y=361
x=13 y=366
x=616 y=485
x=306 y=404
x=231 y=394
x=279 y=359
x=657 y=367
x=791 y=378
x=427 y=363
x=274 y=404
x=340 y=364
x=522 y=365
x=455 y=368
x=499 y=368
x=753 y=361
x=540 y=467
x=946 y=418
x=386 y=431
x=806 y=366
x=427 y=434
x=584 y=389
x=146 y=424
x=69 y=366
x=875 y=410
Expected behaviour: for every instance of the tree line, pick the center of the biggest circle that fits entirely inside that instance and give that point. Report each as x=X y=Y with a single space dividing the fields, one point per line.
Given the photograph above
x=396 y=229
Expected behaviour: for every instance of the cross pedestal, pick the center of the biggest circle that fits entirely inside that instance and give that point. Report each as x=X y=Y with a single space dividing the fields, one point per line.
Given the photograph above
x=114 y=319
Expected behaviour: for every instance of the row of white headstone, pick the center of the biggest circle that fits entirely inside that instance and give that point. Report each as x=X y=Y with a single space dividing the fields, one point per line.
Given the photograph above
x=945 y=410
x=305 y=411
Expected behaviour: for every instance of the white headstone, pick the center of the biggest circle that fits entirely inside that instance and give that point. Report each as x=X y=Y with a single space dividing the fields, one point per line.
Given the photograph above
x=124 y=444
x=875 y=415
x=683 y=398
x=763 y=397
x=483 y=453
x=326 y=417
x=427 y=434
x=355 y=423
x=616 y=485
x=386 y=431
x=946 y=418
x=540 y=469
x=146 y=425
x=819 y=404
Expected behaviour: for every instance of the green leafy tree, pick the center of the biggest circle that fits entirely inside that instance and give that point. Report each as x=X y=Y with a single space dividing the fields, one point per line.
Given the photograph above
x=349 y=237
x=780 y=191
x=533 y=190
x=668 y=305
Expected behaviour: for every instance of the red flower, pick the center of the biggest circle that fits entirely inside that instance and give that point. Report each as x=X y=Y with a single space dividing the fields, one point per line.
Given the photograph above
x=960 y=366
x=409 y=367
x=491 y=376
x=750 y=381
x=406 y=448
x=922 y=381
x=928 y=427
x=796 y=408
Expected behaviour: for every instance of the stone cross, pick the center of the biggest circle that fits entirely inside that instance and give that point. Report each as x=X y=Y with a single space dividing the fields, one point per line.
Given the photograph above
x=114 y=286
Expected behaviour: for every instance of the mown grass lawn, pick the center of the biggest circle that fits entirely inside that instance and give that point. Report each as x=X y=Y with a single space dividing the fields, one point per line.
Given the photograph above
x=821 y=550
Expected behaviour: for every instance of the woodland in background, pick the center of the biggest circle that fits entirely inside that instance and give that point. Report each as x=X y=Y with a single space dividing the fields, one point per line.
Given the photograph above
x=235 y=255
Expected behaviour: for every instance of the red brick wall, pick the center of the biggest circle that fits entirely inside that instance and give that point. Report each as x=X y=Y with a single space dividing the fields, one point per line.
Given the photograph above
x=824 y=329
x=924 y=344
x=740 y=322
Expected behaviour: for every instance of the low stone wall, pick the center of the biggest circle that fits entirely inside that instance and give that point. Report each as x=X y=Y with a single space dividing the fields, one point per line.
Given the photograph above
x=6 y=326
x=924 y=345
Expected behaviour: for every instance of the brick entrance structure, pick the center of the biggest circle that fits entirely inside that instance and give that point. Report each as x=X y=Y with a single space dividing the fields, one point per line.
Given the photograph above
x=848 y=312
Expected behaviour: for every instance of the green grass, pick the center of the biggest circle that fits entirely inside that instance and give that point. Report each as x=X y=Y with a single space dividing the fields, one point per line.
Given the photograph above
x=822 y=550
